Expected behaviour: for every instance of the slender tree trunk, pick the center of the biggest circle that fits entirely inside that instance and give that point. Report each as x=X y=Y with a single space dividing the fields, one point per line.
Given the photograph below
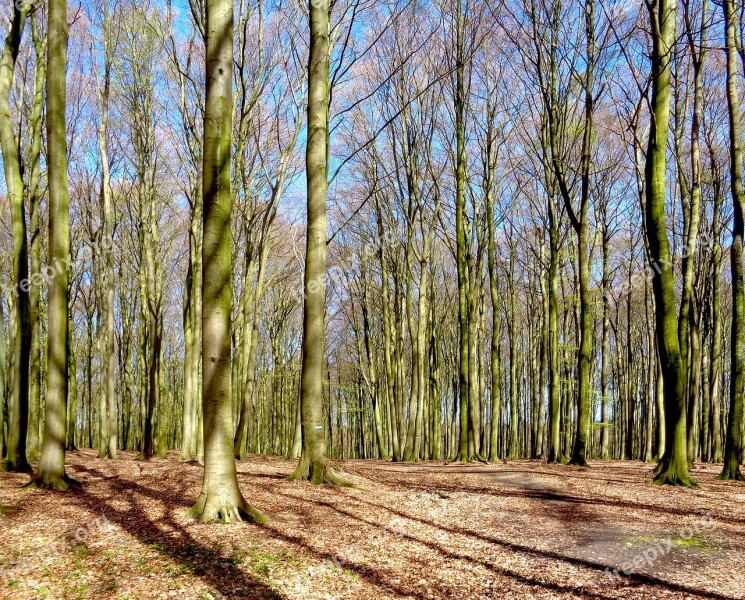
x=514 y=413
x=3 y=380
x=605 y=358
x=733 y=441
x=313 y=465
x=72 y=396
x=35 y=243
x=51 y=473
x=19 y=392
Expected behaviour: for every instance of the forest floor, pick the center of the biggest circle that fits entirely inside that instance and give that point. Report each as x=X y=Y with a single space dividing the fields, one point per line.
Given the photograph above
x=427 y=530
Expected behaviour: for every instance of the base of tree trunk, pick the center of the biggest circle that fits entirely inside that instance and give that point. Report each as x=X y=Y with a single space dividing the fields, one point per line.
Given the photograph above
x=318 y=472
x=671 y=472
x=218 y=508
x=731 y=472
x=578 y=461
x=14 y=466
x=59 y=483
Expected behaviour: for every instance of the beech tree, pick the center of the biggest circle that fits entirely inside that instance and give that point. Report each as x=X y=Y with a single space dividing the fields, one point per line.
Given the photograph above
x=51 y=473
x=220 y=498
x=21 y=346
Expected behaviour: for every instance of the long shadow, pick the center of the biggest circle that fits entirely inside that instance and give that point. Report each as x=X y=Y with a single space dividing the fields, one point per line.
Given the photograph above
x=552 y=496
x=209 y=565
x=497 y=569
x=205 y=562
x=636 y=578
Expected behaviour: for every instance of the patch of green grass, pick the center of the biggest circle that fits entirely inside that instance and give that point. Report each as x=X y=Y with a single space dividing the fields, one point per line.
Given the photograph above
x=181 y=569
x=695 y=542
x=110 y=585
x=82 y=549
x=79 y=566
x=13 y=583
x=79 y=590
x=261 y=562
x=42 y=592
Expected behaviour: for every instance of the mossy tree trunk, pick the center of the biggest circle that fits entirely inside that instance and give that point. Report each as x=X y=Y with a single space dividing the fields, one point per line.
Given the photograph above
x=220 y=499
x=19 y=391
x=673 y=465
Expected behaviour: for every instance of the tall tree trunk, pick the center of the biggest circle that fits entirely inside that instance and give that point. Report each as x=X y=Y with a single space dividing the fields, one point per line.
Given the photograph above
x=35 y=242
x=733 y=441
x=19 y=392
x=460 y=232
x=220 y=498
x=51 y=473
x=673 y=465
x=581 y=225
x=313 y=465
x=107 y=417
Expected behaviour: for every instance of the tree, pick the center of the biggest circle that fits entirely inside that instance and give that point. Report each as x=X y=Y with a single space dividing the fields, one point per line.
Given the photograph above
x=313 y=465
x=107 y=415
x=673 y=465
x=19 y=393
x=51 y=473
x=733 y=441
x=220 y=499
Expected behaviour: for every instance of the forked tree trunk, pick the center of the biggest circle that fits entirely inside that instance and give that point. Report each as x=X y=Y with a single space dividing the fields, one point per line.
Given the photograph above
x=673 y=465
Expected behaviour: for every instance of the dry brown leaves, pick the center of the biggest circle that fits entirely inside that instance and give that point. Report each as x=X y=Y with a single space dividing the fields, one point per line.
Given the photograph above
x=427 y=530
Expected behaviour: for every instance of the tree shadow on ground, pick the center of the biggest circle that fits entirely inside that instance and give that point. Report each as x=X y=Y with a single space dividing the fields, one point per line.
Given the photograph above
x=208 y=564
x=439 y=487
x=634 y=579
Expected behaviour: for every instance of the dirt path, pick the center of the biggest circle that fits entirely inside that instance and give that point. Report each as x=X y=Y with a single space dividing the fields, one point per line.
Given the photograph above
x=427 y=530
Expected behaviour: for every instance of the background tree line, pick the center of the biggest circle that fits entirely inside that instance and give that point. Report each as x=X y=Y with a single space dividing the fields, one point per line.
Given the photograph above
x=527 y=219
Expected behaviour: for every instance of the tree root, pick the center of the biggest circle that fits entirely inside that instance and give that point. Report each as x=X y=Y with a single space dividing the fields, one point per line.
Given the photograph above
x=668 y=472
x=578 y=461
x=729 y=474
x=214 y=509
x=317 y=473
x=56 y=483
x=12 y=466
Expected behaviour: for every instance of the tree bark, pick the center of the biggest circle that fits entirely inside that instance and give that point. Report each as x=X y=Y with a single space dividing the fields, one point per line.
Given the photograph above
x=673 y=465
x=51 y=473
x=313 y=465
x=19 y=393
x=733 y=440
x=220 y=498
